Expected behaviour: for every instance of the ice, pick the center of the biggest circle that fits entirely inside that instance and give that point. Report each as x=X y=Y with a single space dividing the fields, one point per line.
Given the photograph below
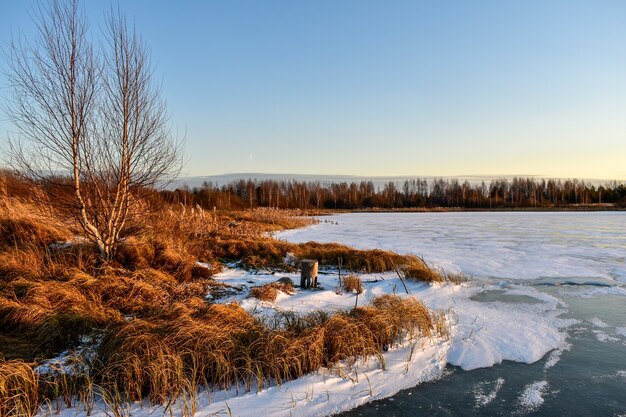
x=598 y=323
x=516 y=245
x=603 y=337
x=591 y=292
x=486 y=392
x=555 y=355
x=532 y=398
x=488 y=333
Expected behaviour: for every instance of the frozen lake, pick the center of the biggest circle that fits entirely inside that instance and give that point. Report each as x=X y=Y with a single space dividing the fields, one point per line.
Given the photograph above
x=517 y=245
x=577 y=259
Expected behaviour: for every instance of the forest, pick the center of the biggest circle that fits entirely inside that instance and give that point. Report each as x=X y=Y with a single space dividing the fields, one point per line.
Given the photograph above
x=527 y=193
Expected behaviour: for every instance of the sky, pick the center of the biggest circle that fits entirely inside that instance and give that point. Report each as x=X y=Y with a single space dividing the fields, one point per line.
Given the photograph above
x=383 y=88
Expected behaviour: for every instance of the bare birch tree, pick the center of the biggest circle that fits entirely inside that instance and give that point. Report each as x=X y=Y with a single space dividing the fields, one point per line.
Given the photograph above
x=93 y=114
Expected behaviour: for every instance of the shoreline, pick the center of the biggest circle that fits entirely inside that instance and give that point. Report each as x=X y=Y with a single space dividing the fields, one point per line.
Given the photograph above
x=326 y=212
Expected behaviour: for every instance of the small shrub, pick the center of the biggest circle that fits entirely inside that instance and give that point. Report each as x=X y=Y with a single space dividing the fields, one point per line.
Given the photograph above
x=352 y=283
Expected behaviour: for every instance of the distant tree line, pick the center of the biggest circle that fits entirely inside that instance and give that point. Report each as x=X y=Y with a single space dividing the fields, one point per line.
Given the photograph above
x=413 y=193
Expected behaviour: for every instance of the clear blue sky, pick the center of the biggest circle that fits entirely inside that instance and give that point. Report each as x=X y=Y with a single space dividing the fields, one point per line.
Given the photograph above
x=388 y=87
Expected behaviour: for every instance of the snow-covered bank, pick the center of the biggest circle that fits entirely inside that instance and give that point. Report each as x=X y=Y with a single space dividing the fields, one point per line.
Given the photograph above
x=482 y=333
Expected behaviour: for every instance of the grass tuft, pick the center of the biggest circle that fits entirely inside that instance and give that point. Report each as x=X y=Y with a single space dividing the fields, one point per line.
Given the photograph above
x=19 y=395
x=269 y=292
x=352 y=283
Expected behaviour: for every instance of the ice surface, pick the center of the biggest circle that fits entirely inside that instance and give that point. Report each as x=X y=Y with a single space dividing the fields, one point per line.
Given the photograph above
x=591 y=292
x=519 y=245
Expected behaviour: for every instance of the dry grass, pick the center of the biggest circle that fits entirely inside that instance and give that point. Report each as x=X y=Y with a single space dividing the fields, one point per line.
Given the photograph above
x=264 y=252
x=51 y=315
x=159 y=338
x=367 y=261
x=174 y=353
x=352 y=283
x=224 y=345
x=27 y=223
x=259 y=252
x=268 y=219
x=418 y=270
x=19 y=394
x=269 y=292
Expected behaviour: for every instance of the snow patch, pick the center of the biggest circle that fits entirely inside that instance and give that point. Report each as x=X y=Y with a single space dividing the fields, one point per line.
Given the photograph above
x=486 y=392
x=532 y=398
x=485 y=334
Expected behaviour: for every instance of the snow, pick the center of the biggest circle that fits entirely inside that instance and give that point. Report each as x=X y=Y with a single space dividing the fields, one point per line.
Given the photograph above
x=482 y=333
x=555 y=355
x=517 y=245
x=487 y=391
x=532 y=397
